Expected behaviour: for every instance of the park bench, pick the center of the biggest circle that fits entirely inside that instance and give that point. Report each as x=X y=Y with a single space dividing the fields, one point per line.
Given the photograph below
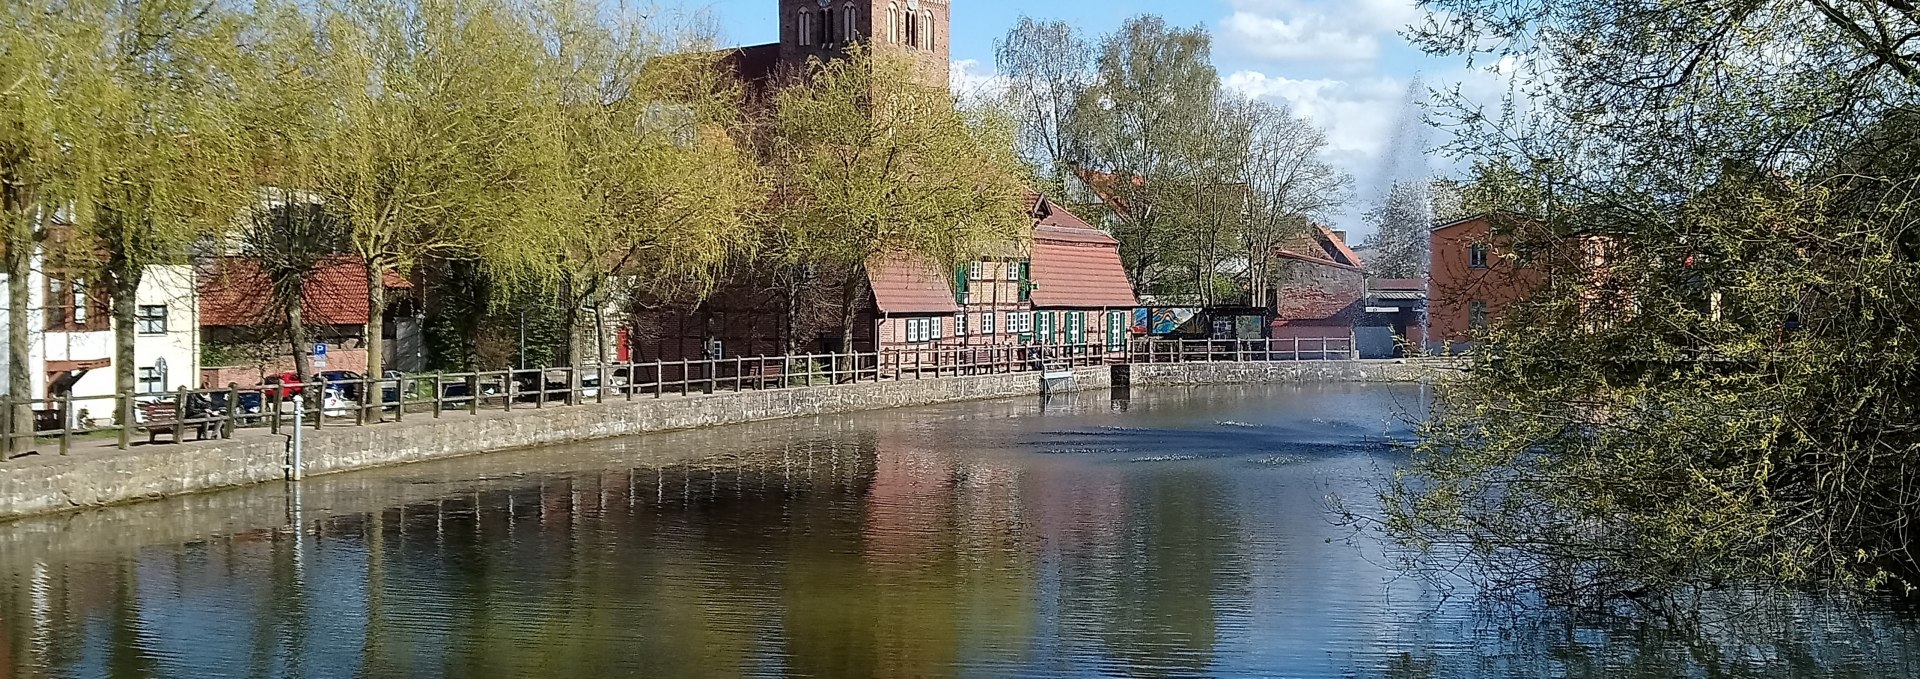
x=164 y=417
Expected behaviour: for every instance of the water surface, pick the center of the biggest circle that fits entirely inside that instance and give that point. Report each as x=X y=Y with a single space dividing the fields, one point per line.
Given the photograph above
x=1162 y=533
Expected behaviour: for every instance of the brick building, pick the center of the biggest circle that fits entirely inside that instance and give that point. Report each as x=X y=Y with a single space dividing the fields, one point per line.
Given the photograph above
x=1321 y=287
x=1474 y=277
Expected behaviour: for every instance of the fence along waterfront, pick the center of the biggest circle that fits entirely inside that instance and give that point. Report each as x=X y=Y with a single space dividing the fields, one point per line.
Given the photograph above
x=223 y=412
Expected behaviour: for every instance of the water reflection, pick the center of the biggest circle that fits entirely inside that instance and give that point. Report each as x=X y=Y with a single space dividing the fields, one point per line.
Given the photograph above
x=1167 y=533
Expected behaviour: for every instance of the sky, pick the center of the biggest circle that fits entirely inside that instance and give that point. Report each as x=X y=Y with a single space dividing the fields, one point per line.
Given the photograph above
x=1340 y=63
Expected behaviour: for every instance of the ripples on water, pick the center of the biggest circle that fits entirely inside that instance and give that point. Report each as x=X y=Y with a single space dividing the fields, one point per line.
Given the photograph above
x=1173 y=533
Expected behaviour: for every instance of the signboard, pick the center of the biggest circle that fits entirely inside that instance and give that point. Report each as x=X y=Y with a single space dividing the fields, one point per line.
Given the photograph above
x=320 y=355
x=1383 y=309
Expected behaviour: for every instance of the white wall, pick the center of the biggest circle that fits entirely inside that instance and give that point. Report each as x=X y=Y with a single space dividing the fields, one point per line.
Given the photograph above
x=171 y=286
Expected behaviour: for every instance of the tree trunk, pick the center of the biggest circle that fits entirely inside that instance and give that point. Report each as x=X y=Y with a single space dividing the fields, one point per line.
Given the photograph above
x=376 y=319
x=849 y=299
x=297 y=336
x=126 y=276
x=19 y=246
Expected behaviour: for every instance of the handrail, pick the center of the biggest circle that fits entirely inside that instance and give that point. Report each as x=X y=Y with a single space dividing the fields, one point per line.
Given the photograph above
x=367 y=401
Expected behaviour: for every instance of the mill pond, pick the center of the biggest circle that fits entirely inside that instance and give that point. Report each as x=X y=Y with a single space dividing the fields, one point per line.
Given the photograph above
x=1162 y=532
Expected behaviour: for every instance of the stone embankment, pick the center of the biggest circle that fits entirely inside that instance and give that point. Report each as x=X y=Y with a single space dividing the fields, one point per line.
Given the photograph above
x=100 y=476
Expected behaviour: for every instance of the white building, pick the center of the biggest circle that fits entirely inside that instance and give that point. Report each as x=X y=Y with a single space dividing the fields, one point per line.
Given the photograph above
x=71 y=331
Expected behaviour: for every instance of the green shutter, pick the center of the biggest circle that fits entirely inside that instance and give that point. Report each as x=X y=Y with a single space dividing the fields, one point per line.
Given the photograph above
x=960 y=285
x=1026 y=280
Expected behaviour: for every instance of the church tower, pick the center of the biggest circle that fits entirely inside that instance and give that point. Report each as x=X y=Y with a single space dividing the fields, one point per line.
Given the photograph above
x=918 y=29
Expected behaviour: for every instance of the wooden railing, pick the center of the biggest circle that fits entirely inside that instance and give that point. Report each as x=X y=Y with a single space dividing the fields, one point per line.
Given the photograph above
x=1204 y=351
x=97 y=420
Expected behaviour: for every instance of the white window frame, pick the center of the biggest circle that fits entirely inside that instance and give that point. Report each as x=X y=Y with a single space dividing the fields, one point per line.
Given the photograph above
x=926 y=29
x=960 y=324
x=1013 y=271
x=150 y=381
x=986 y=322
x=978 y=271
x=893 y=23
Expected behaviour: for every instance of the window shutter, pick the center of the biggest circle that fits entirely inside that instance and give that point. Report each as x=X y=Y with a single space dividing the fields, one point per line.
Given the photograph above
x=960 y=285
x=1026 y=281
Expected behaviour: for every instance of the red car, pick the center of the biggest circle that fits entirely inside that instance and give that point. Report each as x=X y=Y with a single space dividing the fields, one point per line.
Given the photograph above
x=289 y=379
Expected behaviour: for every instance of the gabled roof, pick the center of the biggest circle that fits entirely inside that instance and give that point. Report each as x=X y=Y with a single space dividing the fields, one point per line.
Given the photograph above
x=1320 y=245
x=235 y=292
x=1075 y=265
x=1469 y=219
x=908 y=284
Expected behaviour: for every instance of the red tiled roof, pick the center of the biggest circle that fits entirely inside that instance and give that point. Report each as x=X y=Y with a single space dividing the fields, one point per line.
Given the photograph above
x=1074 y=264
x=1397 y=284
x=1322 y=246
x=234 y=292
x=909 y=284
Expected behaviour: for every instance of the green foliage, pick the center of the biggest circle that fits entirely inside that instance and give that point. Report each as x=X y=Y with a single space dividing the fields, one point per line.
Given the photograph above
x=1714 y=384
x=1401 y=224
x=1198 y=184
x=867 y=161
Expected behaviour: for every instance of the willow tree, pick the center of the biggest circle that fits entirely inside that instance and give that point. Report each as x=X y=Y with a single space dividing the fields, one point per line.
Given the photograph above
x=658 y=191
x=162 y=158
x=37 y=111
x=1714 y=384
x=867 y=161
x=440 y=136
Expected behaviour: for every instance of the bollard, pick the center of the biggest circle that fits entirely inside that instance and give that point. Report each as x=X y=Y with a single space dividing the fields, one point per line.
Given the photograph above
x=233 y=410
x=66 y=423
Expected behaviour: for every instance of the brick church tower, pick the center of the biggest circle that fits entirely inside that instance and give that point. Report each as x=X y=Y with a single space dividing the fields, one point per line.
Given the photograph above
x=918 y=29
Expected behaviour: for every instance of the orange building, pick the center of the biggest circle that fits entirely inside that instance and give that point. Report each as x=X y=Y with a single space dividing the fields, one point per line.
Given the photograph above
x=1474 y=277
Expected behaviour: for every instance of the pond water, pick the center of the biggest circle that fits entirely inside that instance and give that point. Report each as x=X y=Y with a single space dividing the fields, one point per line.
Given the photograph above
x=1158 y=533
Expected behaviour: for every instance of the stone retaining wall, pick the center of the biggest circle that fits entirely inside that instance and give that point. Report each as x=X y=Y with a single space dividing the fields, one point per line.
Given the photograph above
x=95 y=476
x=98 y=476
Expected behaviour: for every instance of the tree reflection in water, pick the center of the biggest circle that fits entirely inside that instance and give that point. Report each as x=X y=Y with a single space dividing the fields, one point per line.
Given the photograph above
x=1182 y=535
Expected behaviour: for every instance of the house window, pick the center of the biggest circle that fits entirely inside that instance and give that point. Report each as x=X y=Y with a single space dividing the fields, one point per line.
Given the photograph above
x=960 y=324
x=1477 y=315
x=1043 y=326
x=151 y=381
x=151 y=319
x=1013 y=271
x=986 y=323
x=1477 y=255
x=923 y=329
x=826 y=27
x=73 y=305
x=1116 y=330
x=977 y=271
x=1076 y=326
x=913 y=29
x=926 y=29
x=1020 y=322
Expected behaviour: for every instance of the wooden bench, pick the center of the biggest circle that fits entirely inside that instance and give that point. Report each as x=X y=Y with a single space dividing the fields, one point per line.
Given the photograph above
x=163 y=417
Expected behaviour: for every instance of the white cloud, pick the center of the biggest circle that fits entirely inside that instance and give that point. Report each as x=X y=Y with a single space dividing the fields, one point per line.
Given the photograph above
x=1346 y=33
x=970 y=80
x=1358 y=115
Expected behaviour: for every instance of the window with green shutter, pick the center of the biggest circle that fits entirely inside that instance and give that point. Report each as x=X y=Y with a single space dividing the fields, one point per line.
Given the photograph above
x=1116 y=330
x=1026 y=281
x=960 y=280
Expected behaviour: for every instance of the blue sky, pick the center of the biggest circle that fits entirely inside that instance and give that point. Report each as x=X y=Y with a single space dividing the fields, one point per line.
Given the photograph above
x=1340 y=63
